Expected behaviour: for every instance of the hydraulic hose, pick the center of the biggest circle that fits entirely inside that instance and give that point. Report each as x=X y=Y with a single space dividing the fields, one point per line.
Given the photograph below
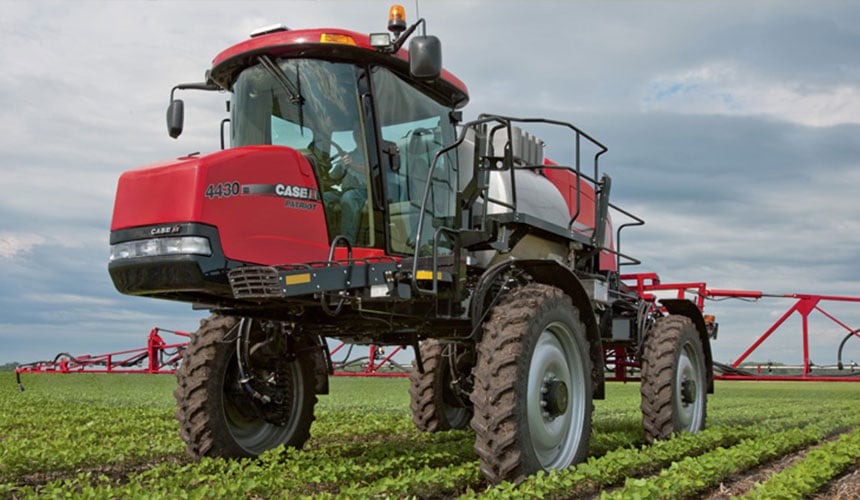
x=841 y=345
x=243 y=341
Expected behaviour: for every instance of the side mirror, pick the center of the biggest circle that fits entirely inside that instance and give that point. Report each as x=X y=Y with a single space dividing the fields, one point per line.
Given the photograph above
x=175 y=117
x=425 y=57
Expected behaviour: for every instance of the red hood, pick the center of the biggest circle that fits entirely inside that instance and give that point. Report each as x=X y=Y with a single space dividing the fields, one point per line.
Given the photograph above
x=264 y=201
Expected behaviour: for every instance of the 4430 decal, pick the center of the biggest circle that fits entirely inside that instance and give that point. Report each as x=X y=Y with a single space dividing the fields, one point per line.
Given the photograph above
x=223 y=190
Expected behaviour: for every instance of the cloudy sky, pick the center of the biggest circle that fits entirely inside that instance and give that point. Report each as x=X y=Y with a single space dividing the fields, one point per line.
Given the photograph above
x=733 y=129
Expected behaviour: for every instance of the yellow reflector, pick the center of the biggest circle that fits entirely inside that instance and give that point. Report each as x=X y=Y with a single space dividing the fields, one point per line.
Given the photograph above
x=336 y=38
x=427 y=275
x=297 y=279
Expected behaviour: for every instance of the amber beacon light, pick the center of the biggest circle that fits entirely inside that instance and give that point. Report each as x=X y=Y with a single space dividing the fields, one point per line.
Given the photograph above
x=397 y=19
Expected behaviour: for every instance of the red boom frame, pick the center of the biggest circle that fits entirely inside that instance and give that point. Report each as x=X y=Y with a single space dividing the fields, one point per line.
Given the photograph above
x=160 y=357
x=645 y=284
x=163 y=358
x=371 y=368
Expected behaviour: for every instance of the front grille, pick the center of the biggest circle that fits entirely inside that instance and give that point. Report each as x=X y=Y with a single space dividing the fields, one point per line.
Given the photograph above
x=252 y=282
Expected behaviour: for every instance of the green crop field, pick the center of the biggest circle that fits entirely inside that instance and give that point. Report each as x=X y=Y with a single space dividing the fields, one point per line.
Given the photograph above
x=114 y=436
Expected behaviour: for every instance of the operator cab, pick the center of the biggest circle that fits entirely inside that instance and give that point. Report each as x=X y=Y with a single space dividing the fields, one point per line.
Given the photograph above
x=369 y=128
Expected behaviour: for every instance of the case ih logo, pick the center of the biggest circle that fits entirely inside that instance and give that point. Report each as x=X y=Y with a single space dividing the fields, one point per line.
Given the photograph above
x=164 y=230
x=297 y=192
x=282 y=191
x=301 y=197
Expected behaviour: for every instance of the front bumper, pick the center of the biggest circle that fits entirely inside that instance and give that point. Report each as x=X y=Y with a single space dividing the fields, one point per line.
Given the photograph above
x=189 y=278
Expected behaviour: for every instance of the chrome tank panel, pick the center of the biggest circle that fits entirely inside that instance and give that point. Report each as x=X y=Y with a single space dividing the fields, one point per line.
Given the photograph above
x=536 y=196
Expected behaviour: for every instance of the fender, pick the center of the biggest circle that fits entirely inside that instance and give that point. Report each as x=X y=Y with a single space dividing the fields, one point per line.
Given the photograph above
x=684 y=307
x=548 y=272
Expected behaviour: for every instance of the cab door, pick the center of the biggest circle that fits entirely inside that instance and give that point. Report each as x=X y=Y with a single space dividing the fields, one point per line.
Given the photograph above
x=419 y=127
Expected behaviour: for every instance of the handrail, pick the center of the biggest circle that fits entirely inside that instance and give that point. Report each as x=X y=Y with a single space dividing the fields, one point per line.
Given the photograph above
x=503 y=161
x=637 y=221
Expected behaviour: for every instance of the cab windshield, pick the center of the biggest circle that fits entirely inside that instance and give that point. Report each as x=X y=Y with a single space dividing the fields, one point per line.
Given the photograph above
x=293 y=103
x=312 y=106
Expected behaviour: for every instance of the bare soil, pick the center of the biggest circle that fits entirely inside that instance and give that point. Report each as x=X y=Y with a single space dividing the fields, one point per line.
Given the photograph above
x=843 y=487
x=743 y=482
x=117 y=472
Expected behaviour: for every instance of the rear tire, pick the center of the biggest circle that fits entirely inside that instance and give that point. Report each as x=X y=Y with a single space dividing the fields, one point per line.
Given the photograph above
x=218 y=417
x=674 y=380
x=533 y=391
x=436 y=405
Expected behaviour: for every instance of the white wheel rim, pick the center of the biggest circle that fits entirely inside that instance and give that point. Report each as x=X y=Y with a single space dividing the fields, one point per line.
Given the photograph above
x=689 y=389
x=556 y=359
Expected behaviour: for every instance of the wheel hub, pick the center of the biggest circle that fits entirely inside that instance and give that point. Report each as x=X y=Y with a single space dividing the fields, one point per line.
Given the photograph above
x=554 y=397
x=688 y=392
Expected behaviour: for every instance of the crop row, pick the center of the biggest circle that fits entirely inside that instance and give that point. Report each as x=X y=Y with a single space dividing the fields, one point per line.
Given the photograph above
x=310 y=472
x=611 y=468
x=692 y=475
x=364 y=445
x=444 y=467
x=816 y=469
x=58 y=437
x=690 y=463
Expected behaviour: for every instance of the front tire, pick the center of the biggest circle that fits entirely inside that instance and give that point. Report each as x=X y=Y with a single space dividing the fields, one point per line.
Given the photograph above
x=218 y=416
x=674 y=379
x=532 y=395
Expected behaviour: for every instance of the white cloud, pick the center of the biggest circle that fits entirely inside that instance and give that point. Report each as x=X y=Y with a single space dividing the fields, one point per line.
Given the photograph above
x=16 y=244
x=68 y=299
x=13 y=244
x=730 y=88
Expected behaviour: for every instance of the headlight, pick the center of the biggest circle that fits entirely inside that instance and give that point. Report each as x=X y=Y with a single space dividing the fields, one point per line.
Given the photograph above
x=184 y=245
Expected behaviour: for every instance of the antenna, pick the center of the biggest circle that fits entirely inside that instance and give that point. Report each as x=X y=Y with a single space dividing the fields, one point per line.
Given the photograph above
x=418 y=16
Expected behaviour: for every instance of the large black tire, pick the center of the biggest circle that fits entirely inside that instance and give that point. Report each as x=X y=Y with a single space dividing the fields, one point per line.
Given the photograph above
x=674 y=379
x=532 y=395
x=436 y=405
x=217 y=416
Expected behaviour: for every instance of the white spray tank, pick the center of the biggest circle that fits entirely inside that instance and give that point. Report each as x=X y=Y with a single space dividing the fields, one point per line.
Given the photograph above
x=536 y=195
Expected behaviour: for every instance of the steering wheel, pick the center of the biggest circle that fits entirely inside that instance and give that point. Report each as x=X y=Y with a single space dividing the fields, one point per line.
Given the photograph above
x=341 y=154
x=325 y=177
